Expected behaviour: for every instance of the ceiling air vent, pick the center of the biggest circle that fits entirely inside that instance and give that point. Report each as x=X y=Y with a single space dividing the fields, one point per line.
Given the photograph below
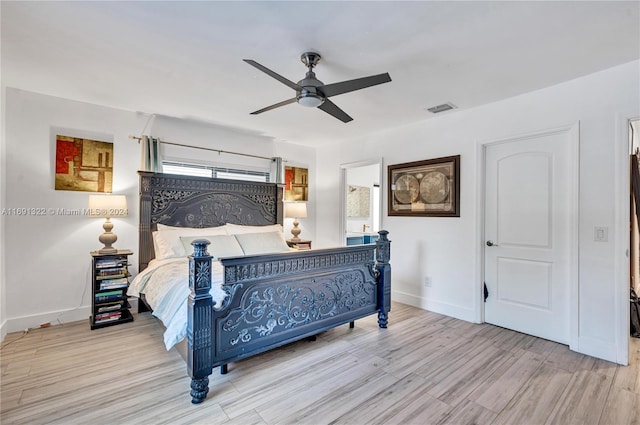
x=441 y=108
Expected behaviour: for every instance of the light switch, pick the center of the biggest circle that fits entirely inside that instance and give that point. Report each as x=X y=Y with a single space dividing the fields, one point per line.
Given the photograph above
x=601 y=234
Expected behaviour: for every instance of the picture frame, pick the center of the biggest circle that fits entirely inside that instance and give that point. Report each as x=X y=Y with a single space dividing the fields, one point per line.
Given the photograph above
x=296 y=184
x=83 y=164
x=428 y=188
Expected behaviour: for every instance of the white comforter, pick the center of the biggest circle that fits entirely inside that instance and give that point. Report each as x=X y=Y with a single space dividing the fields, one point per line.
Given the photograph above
x=165 y=284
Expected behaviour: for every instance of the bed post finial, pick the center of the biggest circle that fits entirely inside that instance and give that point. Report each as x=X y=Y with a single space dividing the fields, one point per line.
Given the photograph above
x=199 y=311
x=383 y=254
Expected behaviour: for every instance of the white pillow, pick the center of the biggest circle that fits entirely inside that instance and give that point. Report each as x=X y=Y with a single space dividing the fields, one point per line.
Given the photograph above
x=220 y=246
x=188 y=231
x=167 y=243
x=262 y=243
x=237 y=229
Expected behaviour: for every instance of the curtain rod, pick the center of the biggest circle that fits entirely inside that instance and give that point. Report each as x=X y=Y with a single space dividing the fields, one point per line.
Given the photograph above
x=206 y=149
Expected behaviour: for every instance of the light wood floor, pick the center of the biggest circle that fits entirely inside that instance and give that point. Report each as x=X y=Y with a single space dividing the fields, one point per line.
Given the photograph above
x=424 y=369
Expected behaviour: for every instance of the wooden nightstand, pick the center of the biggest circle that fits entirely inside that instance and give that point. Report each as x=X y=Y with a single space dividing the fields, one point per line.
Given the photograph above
x=109 y=284
x=301 y=244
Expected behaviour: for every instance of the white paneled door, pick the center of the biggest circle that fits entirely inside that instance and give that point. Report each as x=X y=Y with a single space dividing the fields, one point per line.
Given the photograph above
x=528 y=234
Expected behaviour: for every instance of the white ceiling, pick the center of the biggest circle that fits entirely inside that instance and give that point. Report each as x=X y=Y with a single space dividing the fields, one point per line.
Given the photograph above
x=184 y=59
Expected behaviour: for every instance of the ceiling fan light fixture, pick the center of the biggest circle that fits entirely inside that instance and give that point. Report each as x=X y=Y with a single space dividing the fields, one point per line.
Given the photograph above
x=310 y=100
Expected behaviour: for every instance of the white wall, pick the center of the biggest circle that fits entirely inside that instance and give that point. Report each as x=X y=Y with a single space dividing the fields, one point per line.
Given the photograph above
x=445 y=249
x=3 y=192
x=47 y=257
x=47 y=265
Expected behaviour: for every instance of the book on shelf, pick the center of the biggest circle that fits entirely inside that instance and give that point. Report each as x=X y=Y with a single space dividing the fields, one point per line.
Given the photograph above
x=111 y=271
x=107 y=317
x=108 y=296
x=110 y=281
x=104 y=287
x=108 y=314
x=109 y=263
x=111 y=307
x=113 y=276
x=302 y=246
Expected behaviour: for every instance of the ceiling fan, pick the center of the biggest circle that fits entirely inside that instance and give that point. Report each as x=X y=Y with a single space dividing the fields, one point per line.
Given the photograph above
x=312 y=92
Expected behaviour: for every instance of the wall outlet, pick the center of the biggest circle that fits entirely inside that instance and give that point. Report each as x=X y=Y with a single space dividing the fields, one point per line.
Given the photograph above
x=427 y=282
x=601 y=234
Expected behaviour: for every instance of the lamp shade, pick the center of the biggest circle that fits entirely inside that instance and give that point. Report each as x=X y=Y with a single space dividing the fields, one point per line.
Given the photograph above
x=295 y=209
x=106 y=206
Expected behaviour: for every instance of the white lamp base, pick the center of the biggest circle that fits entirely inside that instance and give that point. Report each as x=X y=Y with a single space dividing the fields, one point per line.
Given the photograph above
x=108 y=238
x=295 y=231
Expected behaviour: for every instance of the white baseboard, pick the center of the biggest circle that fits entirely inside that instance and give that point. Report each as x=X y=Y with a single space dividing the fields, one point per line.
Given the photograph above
x=588 y=346
x=18 y=324
x=452 y=310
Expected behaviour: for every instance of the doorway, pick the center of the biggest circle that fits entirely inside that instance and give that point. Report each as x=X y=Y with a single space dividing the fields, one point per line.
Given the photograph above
x=360 y=200
x=634 y=237
x=530 y=229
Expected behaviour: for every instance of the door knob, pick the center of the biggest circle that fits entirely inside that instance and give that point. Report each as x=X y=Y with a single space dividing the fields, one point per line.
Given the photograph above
x=490 y=243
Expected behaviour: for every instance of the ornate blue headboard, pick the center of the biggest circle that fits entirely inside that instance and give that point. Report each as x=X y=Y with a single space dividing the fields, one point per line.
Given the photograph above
x=186 y=201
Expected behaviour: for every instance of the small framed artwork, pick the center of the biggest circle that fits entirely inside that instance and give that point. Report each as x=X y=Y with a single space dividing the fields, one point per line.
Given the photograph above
x=83 y=164
x=429 y=188
x=296 y=184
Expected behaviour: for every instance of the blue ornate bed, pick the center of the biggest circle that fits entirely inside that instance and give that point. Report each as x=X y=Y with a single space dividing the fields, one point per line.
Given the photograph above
x=272 y=299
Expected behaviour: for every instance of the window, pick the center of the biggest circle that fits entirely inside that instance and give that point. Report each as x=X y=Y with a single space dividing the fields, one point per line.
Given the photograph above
x=173 y=167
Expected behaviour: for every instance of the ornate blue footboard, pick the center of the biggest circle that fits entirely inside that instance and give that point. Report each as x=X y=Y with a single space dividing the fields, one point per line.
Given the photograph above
x=276 y=299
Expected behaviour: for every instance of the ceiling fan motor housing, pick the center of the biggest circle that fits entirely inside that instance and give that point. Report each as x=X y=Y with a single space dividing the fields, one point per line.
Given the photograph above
x=310 y=95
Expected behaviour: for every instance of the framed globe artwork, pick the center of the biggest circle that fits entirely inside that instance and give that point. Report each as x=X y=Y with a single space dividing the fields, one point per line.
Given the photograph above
x=429 y=188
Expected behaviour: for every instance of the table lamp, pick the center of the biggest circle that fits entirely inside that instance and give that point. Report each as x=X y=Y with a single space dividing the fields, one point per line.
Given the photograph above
x=295 y=210
x=107 y=206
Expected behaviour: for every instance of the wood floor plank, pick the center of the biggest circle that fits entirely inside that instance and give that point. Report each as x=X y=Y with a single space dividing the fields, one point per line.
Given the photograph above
x=583 y=400
x=266 y=394
x=628 y=378
x=622 y=408
x=455 y=377
x=421 y=409
x=382 y=406
x=496 y=396
x=468 y=412
x=563 y=358
x=425 y=368
x=332 y=406
x=536 y=399
x=300 y=402
x=250 y=418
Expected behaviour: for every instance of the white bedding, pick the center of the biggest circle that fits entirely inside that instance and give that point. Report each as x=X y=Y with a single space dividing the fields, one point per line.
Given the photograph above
x=165 y=284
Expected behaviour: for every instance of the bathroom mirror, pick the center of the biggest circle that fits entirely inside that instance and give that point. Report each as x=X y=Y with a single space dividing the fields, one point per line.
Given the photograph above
x=358 y=201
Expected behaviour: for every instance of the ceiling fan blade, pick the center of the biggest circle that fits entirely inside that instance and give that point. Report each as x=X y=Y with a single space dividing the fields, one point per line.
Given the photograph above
x=357 y=84
x=273 y=74
x=332 y=109
x=277 y=105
